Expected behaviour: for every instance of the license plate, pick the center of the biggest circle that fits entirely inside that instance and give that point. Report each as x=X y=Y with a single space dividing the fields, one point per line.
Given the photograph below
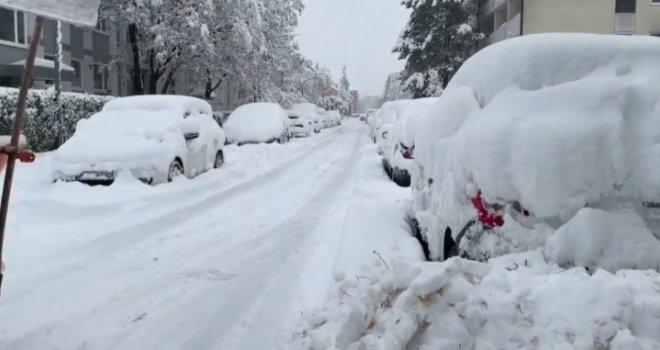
x=96 y=175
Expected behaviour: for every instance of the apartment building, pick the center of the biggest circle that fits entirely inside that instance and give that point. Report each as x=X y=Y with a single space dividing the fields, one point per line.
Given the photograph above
x=503 y=19
x=86 y=53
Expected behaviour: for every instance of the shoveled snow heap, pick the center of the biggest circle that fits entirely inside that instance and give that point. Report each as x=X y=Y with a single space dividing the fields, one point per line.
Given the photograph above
x=256 y=122
x=515 y=302
x=555 y=121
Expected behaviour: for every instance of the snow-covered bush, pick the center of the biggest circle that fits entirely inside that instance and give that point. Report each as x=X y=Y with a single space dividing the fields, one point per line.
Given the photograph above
x=554 y=122
x=42 y=125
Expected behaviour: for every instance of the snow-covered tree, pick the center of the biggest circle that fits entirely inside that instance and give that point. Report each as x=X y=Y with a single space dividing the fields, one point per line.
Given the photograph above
x=395 y=87
x=345 y=96
x=164 y=35
x=439 y=37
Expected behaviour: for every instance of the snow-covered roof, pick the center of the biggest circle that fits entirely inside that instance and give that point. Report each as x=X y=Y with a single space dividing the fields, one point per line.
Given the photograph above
x=42 y=62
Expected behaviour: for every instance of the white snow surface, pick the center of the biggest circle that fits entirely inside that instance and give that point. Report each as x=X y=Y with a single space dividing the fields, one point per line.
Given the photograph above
x=225 y=261
x=554 y=121
x=514 y=302
x=256 y=122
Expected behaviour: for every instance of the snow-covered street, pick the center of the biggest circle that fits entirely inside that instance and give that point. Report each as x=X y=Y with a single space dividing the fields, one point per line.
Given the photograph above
x=228 y=260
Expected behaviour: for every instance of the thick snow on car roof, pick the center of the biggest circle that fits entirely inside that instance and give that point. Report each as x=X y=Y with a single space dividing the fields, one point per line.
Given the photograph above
x=256 y=122
x=174 y=103
x=310 y=110
x=555 y=121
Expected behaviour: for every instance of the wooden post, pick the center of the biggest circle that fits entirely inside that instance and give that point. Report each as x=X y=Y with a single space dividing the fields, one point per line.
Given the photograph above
x=12 y=150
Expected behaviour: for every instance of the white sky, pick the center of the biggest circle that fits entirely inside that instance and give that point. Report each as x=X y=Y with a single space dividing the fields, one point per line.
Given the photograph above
x=357 y=33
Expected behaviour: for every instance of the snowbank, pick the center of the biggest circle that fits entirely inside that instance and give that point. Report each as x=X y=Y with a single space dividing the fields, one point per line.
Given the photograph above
x=256 y=122
x=554 y=121
x=609 y=240
x=516 y=302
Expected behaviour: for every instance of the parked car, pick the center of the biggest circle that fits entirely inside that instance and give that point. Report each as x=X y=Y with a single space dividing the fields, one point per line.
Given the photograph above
x=311 y=112
x=398 y=147
x=334 y=118
x=552 y=150
x=155 y=138
x=299 y=126
x=262 y=122
x=219 y=117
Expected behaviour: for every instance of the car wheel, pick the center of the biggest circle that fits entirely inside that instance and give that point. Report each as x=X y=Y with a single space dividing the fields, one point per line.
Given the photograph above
x=176 y=169
x=219 y=160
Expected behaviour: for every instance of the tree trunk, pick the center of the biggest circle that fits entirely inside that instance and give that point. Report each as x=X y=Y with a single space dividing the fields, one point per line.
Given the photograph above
x=138 y=86
x=210 y=87
x=168 y=81
x=154 y=75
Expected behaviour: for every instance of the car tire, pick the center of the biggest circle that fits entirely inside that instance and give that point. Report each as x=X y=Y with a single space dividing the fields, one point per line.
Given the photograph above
x=401 y=177
x=175 y=170
x=219 y=160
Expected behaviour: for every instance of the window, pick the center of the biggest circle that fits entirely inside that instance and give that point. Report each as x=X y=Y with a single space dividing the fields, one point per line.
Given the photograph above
x=102 y=26
x=50 y=58
x=100 y=77
x=77 y=68
x=626 y=6
x=12 y=26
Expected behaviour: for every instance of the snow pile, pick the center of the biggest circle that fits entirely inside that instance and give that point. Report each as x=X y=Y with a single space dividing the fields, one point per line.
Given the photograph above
x=256 y=122
x=516 y=302
x=605 y=239
x=554 y=121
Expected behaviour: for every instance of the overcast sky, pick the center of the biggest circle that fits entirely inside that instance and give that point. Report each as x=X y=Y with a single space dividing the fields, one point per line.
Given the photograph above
x=357 y=33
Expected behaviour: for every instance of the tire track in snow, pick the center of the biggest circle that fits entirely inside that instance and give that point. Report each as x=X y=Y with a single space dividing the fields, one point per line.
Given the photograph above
x=156 y=291
x=115 y=238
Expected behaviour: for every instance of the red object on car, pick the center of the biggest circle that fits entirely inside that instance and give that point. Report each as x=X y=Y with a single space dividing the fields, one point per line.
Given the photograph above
x=407 y=152
x=486 y=217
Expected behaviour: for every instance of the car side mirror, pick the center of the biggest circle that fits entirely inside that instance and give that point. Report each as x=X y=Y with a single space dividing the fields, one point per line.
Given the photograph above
x=191 y=136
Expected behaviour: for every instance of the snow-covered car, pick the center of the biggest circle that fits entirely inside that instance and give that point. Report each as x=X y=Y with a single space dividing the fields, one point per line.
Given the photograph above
x=383 y=119
x=333 y=118
x=311 y=112
x=399 y=147
x=545 y=142
x=155 y=138
x=262 y=122
x=299 y=126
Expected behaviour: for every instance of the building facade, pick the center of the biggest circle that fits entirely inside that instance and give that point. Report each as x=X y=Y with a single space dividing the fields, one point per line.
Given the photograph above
x=504 y=19
x=86 y=54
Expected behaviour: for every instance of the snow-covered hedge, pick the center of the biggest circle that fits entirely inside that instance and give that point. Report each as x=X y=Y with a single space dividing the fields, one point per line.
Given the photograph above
x=41 y=122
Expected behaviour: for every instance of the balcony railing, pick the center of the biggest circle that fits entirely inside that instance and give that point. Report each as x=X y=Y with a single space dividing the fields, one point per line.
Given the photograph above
x=510 y=29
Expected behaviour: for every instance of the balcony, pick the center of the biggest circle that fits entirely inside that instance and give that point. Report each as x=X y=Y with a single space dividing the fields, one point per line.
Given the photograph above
x=510 y=29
